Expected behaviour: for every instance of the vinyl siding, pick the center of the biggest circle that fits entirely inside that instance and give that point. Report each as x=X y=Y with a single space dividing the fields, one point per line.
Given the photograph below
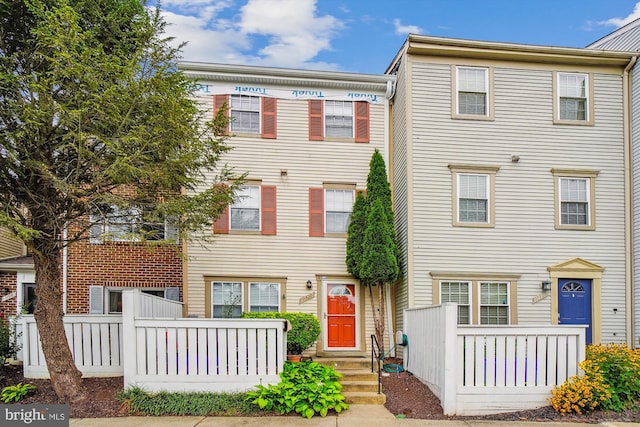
x=524 y=241
x=291 y=253
x=635 y=154
x=9 y=245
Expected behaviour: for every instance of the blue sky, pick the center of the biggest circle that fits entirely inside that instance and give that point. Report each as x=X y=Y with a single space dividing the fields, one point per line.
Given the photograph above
x=363 y=36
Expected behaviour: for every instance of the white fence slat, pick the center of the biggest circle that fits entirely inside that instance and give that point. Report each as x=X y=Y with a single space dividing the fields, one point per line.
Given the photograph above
x=552 y=361
x=202 y=356
x=501 y=360
x=172 y=351
x=542 y=361
x=490 y=377
x=182 y=351
x=212 y=351
x=252 y=354
x=242 y=351
x=161 y=348
x=232 y=351
x=510 y=362
x=520 y=358
x=562 y=359
x=262 y=357
x=192 y=351
x=531 y=361
x=223 y=345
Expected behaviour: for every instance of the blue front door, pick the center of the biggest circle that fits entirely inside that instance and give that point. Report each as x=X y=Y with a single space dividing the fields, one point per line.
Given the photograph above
x=574 y=303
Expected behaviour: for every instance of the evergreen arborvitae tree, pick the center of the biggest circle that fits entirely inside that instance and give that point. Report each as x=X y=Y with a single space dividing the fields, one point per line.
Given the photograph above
x=355 y=235
x=379 y=264
x=94 y=116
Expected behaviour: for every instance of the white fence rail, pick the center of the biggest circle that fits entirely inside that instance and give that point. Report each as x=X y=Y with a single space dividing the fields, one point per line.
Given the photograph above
x=477 y=370
x=95 y=342
x=165 y=353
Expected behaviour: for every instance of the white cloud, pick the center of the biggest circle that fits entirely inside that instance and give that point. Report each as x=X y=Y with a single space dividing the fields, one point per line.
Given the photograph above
x=283 y=33
x=405 y=29
x=619 y=22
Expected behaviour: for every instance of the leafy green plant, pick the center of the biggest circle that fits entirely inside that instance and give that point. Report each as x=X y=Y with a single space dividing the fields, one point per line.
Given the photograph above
x=142 y=402
x=15 y=393
x=611 y=381
x=305 y=328
x=9 y=339
x=307 y=388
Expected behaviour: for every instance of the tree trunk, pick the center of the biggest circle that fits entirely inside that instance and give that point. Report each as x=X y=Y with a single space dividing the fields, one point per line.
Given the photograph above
x=378 y=315
x=66 y=379
x=380 y=326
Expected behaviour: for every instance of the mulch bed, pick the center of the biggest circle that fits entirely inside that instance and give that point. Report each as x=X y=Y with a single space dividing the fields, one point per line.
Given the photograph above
x=406 y=396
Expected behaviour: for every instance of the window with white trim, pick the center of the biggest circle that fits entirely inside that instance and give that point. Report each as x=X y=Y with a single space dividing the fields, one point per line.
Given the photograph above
x=338 y=206
x=338 y=119
x=230 y=297
x=226 y=299
x=472 y=91
x=245 y=211
x=244 y=113
x=494 y=303
x=473 y=198
x=113 y=223
x=573 y=96
x=458 y=292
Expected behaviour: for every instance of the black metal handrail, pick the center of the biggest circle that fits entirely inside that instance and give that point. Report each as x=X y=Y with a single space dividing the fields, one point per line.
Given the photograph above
x=376 y=351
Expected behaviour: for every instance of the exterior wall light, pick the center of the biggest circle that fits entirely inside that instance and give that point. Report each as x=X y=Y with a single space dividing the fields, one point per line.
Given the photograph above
x=546 y=285
x=309 y=283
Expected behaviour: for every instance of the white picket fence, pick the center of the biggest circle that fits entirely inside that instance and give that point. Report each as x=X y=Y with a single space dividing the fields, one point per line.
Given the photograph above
x=476 y=370
x=166 y=353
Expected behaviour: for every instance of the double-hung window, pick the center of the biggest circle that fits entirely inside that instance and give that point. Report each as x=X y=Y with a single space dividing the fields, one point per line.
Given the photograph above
x=338 y=119
x=245 y=212
x=458 y=292
x=244 y=112
x=573 y=98
x=481 y=301
x=129 y=225
x=330 y=209
x=473 y=195
x=338 y=205
x=230 y=297
x=473 y=93
x=575 y=194
x=494 y=303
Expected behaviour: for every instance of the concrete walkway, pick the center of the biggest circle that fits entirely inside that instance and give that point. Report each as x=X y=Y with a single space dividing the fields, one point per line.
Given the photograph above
x=355 y=416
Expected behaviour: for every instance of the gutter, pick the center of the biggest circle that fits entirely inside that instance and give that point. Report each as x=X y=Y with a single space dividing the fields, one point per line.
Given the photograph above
x=629 y=226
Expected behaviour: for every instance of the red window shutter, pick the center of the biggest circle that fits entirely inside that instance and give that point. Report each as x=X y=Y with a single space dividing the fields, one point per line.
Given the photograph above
x=218 y=102
x=221 y=225
x=316 y=120
x=316 y=212
x=362 y=121
x=269 y=119
x=269 y=218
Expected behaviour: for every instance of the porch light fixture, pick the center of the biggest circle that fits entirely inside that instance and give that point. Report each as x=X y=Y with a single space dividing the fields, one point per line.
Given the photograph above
x=546 y=285
x=309 y=283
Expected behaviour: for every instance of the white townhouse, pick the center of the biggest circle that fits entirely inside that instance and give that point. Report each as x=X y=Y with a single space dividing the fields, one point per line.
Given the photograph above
x=627 y=38
x=305 y=139
x=510 y=169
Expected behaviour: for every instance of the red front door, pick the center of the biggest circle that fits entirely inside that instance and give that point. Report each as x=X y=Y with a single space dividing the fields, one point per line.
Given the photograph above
x=341 y=316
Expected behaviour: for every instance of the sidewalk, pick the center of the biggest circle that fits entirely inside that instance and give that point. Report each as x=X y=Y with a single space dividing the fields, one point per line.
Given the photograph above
x=355 y=416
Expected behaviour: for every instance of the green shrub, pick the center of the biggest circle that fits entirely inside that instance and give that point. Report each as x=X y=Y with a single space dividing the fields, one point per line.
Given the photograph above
x=140 y=401
x=15 y=393
x=611 y=381
x=307 y=388
x=305 y=328
x=9 y=339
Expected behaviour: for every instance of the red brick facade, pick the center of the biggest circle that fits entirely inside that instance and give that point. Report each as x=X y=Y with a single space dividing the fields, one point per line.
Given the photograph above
x=7 y=285
x=119 y=265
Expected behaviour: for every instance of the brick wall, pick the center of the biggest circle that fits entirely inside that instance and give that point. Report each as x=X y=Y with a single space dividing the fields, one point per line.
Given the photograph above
x=119 y=264
x=7 y=284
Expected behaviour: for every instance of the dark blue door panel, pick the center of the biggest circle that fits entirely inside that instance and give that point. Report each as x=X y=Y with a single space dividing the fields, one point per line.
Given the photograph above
x=574 y=303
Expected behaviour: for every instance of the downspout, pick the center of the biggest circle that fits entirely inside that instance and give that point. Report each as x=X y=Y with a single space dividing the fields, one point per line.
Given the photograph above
x=388 y=155
x=629 y=276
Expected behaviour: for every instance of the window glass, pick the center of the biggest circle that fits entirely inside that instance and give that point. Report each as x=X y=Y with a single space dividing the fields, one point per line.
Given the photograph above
x=338 y=119
x=226 y=298
x=457 y=292
x=574 y=202
x=129 y=224
x=264 y=297
x=494 y=306
x=29 y=298
x=244 y=112
x=472 y=91
x=245 y=212
x=115 y=298
x=338 y=205
x=572 y=89
x=472 y=198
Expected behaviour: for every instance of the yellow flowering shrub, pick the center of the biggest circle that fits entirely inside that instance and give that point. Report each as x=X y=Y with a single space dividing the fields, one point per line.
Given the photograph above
x=580 y=394
x=611 y=381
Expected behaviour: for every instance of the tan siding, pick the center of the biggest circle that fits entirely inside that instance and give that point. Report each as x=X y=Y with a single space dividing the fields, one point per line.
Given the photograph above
x=9 y=245
x=524 y=240
x=291 y=253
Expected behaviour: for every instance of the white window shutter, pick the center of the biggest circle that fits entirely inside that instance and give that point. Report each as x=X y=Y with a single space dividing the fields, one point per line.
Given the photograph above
x=96 y=299
x=172 y=293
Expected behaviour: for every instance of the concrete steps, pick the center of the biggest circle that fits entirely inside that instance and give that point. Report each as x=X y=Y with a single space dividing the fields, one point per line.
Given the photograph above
x=359 y=384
